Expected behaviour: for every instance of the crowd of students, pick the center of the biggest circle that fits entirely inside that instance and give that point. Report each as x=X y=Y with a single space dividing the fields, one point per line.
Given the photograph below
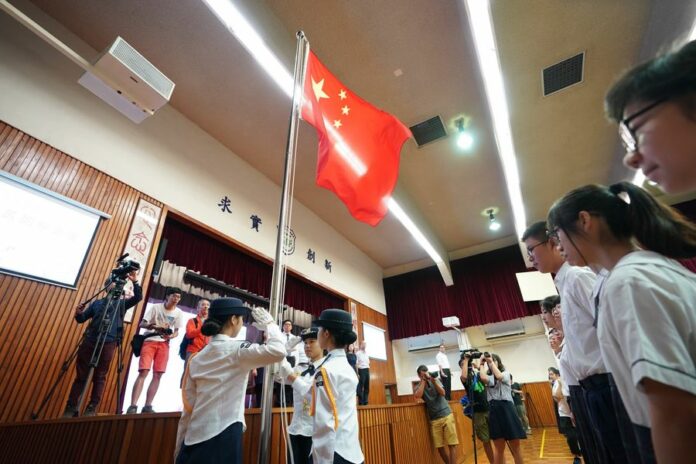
x=625 y=339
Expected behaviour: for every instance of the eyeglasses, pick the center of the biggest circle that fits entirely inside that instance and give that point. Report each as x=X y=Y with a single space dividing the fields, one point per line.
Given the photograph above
x=628 y=135
x=531 y=248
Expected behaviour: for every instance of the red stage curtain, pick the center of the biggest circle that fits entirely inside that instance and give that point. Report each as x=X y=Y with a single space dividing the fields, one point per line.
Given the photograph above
x=485 y=290
x=201 y=253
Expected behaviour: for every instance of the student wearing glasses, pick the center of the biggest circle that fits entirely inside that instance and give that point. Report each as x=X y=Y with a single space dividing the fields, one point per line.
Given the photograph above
x=580 y=359
x=644 y=311
x=655 y=107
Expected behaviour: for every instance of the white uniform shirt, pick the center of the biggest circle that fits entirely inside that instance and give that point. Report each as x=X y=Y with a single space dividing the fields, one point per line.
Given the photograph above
x=560 y=389
x=290 y=339
x=302 y=422
x=442 y=360
x=363 y=360
x=216 y=384
x=580 y=357
x=162 y=317
x=335 y=411
x=647 y=327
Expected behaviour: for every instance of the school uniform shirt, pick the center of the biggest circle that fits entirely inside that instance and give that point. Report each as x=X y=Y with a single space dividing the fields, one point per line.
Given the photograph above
x=442 y=360
x=580 y=357
x=302 y=422
x=216 y=384
x=646 y=325
x=335 y=412
x=289 y=339
x=499 y=390
x=363 y=360
x=560 y=392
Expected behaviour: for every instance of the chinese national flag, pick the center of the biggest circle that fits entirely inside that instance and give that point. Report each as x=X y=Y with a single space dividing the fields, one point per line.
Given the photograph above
x=359 y=145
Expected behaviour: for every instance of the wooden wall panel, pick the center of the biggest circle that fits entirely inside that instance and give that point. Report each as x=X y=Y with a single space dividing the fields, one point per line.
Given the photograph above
x=397 y=434
x=40 y=332
x=382 y=373
x=540 y=405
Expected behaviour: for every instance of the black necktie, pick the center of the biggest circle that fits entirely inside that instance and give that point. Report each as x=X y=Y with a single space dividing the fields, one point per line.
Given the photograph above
x=309 y=371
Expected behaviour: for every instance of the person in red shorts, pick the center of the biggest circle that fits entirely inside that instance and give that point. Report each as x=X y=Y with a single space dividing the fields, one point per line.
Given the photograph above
x=161 y=317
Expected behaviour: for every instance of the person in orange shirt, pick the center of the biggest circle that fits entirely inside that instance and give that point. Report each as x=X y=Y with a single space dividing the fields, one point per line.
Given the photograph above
x=197 y=341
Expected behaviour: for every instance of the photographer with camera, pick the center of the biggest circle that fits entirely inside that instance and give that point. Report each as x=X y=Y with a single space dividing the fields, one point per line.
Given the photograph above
x=96 y=312
x=504 y=425
x=476 y=393
x=442 y=425
x=165 y=319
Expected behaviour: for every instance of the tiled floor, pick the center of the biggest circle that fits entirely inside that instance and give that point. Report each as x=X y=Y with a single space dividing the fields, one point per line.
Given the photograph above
x=544 y=446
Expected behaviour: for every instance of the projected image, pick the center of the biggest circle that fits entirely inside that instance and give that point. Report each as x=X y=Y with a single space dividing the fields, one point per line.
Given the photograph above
x=43 y=236
x=375 y=341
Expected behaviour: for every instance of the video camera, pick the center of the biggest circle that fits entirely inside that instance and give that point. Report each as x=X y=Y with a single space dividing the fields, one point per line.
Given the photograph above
x=471 y=353
x=124 y=267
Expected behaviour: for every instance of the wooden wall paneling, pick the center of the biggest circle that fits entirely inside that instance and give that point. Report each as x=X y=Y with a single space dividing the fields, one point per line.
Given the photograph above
x=44 y=331
x=540 y=405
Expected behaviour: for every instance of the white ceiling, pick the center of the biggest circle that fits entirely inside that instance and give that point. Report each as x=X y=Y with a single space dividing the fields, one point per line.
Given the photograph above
x=562 y=141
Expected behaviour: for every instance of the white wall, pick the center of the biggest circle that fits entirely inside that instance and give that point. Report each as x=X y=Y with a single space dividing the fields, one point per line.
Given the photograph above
x=527 y=358
x=168 y=157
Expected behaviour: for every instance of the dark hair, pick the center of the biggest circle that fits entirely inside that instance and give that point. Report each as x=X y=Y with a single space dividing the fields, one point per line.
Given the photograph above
x=422 y=368
x=537 y=230
x=287 y=320
x=342 y=338
x=670 y=76
x=550 y=302
x=169 y=290
x=630 y=212
x=213 y=326
x=501 y=366
x=555 y=371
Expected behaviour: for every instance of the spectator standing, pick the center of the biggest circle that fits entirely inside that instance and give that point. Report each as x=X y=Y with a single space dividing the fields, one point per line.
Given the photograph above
x=442 y=425
x=363 y=365
x=444 y=369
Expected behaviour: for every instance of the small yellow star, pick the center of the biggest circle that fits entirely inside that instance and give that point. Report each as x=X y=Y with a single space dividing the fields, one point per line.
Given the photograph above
x=342 y=94
x=318 y=88
x=345 y=110
x=337 y=123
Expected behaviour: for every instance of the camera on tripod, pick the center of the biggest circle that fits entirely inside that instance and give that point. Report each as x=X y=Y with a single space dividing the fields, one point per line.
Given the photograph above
x=123 y=268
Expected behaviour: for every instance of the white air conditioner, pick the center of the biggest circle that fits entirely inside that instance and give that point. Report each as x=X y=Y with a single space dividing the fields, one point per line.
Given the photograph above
x=502 y=330
x=432 y=341
x=124 y=79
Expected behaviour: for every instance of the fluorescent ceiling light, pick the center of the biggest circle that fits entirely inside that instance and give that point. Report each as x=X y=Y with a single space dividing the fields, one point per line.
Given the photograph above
x=238 y=25
x=481 y=23
x=401 y=215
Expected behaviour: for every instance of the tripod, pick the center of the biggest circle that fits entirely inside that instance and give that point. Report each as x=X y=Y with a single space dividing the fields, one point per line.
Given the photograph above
x=112 y=313
x=472 y=401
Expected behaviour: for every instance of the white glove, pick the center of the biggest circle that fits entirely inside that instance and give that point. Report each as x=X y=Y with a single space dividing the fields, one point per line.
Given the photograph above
x=286 y=370
x=262 y=317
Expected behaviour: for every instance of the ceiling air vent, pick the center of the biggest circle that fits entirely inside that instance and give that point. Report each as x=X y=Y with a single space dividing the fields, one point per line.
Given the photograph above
x=428 y=131
x=564 y=74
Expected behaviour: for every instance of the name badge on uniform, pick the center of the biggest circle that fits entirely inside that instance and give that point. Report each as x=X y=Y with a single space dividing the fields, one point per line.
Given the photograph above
x=319 y=379
x=245 y=345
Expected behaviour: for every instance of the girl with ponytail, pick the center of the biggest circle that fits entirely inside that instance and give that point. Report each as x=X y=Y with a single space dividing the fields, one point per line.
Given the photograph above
x=645 y=310
x=214 y=383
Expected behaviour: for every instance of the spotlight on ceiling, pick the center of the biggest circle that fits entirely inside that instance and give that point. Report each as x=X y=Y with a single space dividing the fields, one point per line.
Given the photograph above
x=493 y=223
x=464 y=138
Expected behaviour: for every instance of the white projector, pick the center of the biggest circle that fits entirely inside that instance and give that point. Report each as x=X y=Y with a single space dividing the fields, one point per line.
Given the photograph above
x=124 y=79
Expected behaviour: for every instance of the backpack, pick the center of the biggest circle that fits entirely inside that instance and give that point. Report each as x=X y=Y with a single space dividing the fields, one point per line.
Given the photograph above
x=186 y=342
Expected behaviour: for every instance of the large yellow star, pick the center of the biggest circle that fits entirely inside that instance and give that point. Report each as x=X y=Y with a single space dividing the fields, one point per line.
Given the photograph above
x=318 y=88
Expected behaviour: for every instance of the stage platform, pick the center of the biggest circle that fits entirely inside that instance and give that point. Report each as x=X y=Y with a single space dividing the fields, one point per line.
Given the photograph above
x=397 y=434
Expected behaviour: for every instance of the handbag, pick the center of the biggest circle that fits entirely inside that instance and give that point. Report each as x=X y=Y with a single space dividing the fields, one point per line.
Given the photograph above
x=138 y=340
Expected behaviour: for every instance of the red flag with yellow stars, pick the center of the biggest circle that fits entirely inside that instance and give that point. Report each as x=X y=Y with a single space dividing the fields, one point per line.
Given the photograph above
x=359 y=145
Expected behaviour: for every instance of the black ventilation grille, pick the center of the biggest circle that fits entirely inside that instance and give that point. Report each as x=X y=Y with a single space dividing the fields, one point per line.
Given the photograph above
x=428 y=131
x=564 y=74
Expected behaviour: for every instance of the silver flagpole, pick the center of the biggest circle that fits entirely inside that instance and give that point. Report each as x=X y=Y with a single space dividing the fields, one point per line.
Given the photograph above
x=276 y=300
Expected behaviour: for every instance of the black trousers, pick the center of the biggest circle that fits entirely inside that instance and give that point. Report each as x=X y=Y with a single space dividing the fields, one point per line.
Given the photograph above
x=224 y=447
x=447 y=383
x=570 y=432
x=590 y=444
x=301 y=449
x=363 y=385
x=339 y=460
